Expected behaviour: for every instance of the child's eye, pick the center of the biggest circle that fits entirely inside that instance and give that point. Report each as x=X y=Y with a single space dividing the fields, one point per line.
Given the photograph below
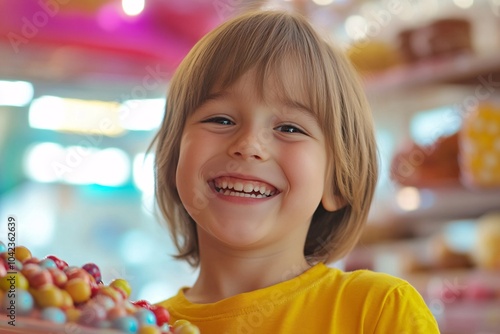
x=219 y=120
x=289 y=129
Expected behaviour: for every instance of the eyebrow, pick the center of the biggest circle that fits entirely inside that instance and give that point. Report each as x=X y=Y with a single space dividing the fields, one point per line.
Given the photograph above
x=286 y=102
x=298 y=106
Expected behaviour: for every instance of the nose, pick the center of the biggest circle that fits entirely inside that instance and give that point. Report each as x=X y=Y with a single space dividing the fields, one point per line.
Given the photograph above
x=250 y=145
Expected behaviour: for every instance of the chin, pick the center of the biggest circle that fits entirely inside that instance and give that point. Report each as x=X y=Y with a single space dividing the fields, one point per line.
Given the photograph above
x=240 y=237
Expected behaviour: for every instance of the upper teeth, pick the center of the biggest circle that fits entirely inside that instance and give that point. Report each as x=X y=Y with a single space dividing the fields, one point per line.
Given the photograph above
x=225 y=186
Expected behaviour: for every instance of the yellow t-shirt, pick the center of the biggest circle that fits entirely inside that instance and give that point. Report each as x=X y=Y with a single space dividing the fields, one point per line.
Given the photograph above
x=322 y=300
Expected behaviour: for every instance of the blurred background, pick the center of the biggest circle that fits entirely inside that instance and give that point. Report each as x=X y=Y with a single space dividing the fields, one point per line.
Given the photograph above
x=82 y=92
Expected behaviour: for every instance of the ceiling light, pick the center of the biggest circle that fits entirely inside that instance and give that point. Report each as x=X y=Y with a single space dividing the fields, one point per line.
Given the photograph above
x=50 y=162
x=143 y=172
x=133 y=7
x=142 y=115
x=15 y=93
x=38 y=161
x=99 y=118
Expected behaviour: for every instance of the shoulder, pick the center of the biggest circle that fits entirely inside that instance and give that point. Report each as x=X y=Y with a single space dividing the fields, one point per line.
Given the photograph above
x=365 y=287
x=383 y=302
x=399 y=304
x=367 y=280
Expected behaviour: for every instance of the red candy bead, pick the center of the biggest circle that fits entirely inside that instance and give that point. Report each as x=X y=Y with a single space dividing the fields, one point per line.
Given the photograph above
x=4 y=264
x=143 y=303
x=59 y=263
x=75 y=272
x=94 y=271
x=30 y=269
x=161 y=313
x=40 y=278
x=94 y=287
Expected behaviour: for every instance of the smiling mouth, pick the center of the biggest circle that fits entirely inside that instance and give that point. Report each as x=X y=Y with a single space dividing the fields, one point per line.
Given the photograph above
x=242 y=188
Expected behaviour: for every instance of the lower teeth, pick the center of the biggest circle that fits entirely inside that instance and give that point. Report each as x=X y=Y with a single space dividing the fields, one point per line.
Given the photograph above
x=239 y=194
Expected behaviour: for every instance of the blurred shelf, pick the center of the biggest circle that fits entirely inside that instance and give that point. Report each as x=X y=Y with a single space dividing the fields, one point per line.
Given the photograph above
x=470 y=318
x=457 y=303
x=465 y=69
x=397 y=94
x=460 y=279
x=463 y=300
x=451 y=203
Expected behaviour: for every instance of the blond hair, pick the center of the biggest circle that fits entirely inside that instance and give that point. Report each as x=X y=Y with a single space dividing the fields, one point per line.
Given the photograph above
x=268 y=41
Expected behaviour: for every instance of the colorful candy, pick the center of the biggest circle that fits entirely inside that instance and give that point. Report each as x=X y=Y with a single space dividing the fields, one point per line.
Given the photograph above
x=48 y=263
x=121 y=285
x=59 y=278
x=59 y=263
x=30 y=269
x=142 y=303
x=116 y=312
x=185 y=327
x=78 y=289
x=54 y=314
x=22 y=253
x=145 y=317
x=22 y=300
x=92 y=314
x=161 y=313
x=48 y=296
x=12 y=281
x=39 y=278
x=94 y=271
x=51 y=290
x=127 y=324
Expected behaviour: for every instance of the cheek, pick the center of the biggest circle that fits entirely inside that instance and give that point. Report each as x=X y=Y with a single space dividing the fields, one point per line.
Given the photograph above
x=305 y=169
x=191 y=151
x=191 y=170
x=187 y=170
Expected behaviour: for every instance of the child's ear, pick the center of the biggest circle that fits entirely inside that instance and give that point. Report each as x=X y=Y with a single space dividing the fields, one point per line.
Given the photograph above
x=330 y=201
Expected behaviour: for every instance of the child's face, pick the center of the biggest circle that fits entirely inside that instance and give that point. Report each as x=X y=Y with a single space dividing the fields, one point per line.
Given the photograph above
x=251 y=173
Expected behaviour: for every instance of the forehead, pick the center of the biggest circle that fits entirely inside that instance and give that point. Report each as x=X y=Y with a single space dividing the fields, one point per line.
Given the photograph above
x=281 y=85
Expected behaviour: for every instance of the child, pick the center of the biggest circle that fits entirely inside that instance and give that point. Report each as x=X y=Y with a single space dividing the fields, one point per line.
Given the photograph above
x=266 y=168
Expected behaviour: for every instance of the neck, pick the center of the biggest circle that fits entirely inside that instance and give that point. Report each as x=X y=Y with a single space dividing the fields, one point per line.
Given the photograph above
x=224 y=274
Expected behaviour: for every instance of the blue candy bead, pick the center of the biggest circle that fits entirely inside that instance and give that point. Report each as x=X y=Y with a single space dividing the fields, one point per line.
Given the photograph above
x=127 y=324
x=145 y=317
x=54 y=314
x=48 y=263
x=3 y=248
x=24 y=302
